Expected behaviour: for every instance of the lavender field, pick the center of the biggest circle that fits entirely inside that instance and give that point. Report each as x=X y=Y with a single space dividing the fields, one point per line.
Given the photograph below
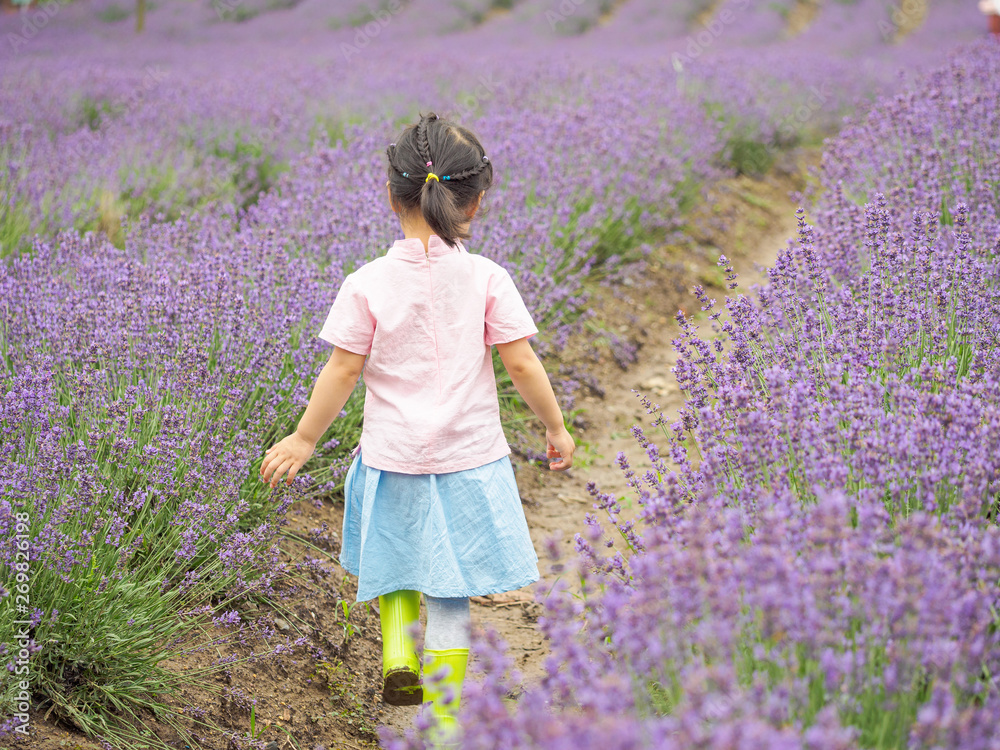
x=807 y=554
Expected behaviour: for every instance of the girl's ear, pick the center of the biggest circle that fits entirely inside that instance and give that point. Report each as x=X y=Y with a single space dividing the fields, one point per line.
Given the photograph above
x=475 y=206
x=392 y=203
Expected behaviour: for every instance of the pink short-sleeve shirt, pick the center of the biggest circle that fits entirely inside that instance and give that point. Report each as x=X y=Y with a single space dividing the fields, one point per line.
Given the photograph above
x=426 y=322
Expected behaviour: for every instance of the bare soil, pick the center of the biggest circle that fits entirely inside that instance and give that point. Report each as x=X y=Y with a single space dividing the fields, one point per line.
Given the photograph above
x=326 y=693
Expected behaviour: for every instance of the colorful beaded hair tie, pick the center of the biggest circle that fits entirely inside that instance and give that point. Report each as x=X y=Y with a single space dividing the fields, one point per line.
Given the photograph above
x=432 y=176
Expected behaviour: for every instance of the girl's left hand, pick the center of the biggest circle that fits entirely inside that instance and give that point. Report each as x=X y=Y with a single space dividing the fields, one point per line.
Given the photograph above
x=288 y=455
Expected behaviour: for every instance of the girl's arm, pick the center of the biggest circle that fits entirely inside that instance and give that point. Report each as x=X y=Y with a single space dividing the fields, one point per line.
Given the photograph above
x=533 y=384
x=332 y=389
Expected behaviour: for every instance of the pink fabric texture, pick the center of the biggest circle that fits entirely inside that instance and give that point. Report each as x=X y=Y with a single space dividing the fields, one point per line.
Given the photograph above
x=426 y=322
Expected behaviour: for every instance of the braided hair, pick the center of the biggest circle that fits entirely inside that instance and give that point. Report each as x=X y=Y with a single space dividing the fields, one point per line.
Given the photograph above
x=440 y=168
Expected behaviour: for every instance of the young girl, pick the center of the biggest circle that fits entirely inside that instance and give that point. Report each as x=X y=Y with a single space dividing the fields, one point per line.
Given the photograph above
x=431 y=505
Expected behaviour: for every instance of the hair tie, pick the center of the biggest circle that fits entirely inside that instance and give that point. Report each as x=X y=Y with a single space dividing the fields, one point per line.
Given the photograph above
x=486 y=159
x=431 y=174
x=430 y=164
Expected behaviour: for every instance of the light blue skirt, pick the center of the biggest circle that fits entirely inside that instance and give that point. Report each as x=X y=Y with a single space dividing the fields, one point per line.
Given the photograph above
x=446 y=535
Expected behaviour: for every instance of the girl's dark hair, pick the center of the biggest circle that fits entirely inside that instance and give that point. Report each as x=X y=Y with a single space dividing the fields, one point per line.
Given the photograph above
x=462 y=168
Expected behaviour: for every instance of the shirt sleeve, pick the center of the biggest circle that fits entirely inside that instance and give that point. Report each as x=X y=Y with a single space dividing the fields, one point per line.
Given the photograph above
x=350 y=324
x=507 y=318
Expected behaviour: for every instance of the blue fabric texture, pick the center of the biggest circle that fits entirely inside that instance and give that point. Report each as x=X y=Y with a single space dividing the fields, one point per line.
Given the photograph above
x=447 y=535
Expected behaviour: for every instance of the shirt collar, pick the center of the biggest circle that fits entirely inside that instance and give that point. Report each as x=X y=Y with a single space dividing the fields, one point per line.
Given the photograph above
x=413 y=248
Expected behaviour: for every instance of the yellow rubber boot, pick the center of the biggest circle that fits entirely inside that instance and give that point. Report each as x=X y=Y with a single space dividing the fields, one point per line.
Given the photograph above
x=398 y=612
x=445 y=694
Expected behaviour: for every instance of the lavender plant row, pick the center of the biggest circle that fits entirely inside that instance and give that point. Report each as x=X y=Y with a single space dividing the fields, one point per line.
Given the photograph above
x=143 y=373
x=815 y=562
x=154 y=127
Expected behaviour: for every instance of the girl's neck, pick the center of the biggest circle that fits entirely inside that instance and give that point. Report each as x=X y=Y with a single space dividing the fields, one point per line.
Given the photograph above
x=417 y=228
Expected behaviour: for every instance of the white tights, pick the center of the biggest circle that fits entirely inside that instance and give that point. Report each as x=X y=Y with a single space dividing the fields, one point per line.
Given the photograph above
x=448 y=622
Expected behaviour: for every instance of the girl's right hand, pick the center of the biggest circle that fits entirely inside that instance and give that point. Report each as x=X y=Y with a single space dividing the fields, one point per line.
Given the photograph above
x=560 y=446
x=288 y=455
